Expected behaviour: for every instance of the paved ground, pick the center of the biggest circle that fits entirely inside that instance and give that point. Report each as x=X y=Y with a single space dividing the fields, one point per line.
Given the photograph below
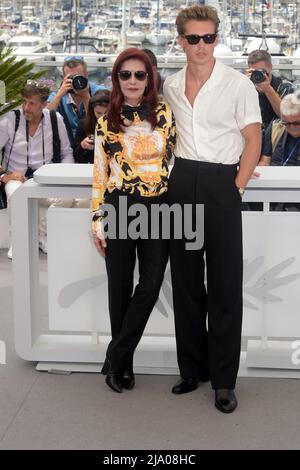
x=45 y=411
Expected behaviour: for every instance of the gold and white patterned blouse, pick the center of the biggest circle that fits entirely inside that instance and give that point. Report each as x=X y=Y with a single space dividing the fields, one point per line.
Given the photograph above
x=134 y=160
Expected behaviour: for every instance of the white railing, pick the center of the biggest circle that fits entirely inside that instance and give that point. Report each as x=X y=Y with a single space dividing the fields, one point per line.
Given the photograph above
x=164 y=61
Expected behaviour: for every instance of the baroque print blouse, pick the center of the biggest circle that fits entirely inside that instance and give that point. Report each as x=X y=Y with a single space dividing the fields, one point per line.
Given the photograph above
x=134 y=160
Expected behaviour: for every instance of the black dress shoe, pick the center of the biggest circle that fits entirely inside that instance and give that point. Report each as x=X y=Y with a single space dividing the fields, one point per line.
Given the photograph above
x=225 y=400
x=185 y=385
x=113 y=380
x=128 y=379
x=105 y=367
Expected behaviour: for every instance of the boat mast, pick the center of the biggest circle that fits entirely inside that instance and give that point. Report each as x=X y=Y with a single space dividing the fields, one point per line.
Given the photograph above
x=264 y=44
x=297 y=26
x=70 y=28
x=244 y=23
x=123 y=30
x=231 y=26
x=271 y=12
x=76 y=26
x=253 y=14
x=224 y=22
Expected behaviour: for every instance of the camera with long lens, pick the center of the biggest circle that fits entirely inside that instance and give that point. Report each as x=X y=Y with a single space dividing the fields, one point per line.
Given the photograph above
x=258 y=76
x=79 y=82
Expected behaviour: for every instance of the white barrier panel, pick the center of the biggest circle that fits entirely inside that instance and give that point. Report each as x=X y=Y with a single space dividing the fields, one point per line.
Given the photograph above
x=271 y=274
x=4 y=232
x=77 y=280
x=78 y=315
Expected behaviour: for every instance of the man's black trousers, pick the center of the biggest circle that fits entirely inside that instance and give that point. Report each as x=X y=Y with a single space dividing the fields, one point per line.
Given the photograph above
x=212 y=351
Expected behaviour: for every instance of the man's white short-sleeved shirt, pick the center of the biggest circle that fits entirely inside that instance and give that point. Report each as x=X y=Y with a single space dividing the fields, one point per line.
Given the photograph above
x=210 y=130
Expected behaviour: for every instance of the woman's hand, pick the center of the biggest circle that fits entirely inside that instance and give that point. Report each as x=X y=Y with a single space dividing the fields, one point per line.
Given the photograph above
x=100 y=244
x=87 y=144
x=99 y=238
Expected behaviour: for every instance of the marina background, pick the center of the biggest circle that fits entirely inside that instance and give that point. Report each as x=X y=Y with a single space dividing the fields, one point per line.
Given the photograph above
x=45 y=33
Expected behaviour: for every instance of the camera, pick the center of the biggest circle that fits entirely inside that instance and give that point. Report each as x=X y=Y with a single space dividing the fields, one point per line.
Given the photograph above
x=92 y=137
x=258 y=76
x=29 y=173
x=79 y=82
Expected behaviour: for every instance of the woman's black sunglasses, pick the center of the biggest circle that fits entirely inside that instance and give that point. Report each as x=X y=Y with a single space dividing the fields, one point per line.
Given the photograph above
x=126 y=74
x=195 y=38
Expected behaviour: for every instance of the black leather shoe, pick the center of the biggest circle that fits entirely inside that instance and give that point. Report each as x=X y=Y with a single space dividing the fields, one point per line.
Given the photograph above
x=185 y=385
x=113 y=380
x=225 y=400
x=128 y=379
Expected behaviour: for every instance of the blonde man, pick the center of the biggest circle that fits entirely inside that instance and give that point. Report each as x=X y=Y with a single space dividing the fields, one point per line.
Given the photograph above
x=218 y=121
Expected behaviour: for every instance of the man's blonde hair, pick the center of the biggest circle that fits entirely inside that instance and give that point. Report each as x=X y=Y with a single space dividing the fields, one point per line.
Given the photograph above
x=198 y=13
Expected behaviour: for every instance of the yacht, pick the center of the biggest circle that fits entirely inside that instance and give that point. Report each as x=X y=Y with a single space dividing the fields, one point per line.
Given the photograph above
x=269 y=44
x=30 y=26
x=159 y=37
x=87 y=47
x=108 y=36
x=56 y=33
x=135 y=35
x=27 y=46
x=4 y=37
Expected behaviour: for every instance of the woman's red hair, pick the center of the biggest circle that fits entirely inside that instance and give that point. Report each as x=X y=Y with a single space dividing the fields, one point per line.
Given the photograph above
x=117 y=99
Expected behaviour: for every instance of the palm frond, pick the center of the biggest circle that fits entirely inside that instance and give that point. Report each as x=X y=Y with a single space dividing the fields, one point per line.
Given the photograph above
x=14 y=73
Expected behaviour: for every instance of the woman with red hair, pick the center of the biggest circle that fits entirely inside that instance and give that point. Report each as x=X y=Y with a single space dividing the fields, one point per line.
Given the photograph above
x=133 y=144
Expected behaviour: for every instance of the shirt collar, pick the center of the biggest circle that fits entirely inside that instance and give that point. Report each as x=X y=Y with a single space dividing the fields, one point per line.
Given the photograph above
x=217 y=76
x=69 y=99
x=215 y=79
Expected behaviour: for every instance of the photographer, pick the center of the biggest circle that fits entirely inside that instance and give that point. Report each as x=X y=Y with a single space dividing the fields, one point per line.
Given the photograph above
x=72 y=99
x=159 y=80
x=271 y=89
x=282 y=138
x=84 y=138
x=282 y=143
x=31 y=137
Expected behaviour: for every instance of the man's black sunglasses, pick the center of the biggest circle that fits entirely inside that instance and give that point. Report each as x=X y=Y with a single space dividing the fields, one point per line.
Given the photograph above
x=195 y=38
x=287 y=124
